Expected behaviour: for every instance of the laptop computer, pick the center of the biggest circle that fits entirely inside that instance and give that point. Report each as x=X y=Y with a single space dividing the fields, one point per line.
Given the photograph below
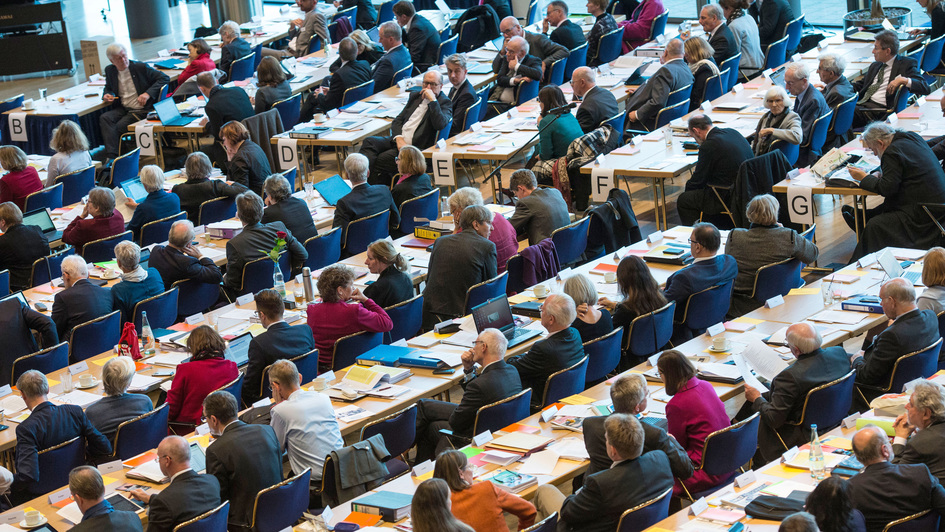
x=892 y=267
x=17 y=295
x=41 y=218
x=497 y=314
x=134 y=190
x=777 y=77
x=237 y=349
x=198 y=460
x=332 y=189
x=445 y=8
x=168 y=114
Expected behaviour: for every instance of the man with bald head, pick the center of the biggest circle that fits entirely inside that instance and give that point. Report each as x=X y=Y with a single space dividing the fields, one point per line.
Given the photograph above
x=189 y=493
x=647 y=100
x=546 y=50
x=885 y=492
x=518 y=67
x=180 y=259
x=597 y=104
x=909 y=330
x=781 y=407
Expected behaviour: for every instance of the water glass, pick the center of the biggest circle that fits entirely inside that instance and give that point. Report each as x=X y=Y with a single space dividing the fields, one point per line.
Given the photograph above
x=42 y=94
x=66 y=378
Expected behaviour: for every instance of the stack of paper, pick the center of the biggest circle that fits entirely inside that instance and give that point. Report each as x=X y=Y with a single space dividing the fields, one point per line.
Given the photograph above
x=497 y=457
x=839 y=316
x=520 y=442
x=150 y=471
x=571 y=449
x=351 y=413
x=142 y=383
x=78 y=398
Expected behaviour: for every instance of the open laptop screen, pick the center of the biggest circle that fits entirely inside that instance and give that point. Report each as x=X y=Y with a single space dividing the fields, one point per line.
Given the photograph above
x=493 y=314
x=237 y=349
x=166 y=110
x=889 y=264
x=40 y=218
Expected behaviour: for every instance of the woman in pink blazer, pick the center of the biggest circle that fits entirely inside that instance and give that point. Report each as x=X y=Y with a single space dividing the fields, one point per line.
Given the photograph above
x=206 y=372
x=694 y=412
x=636 y=29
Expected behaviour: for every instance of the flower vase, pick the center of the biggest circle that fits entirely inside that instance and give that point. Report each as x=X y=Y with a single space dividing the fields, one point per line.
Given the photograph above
x=278 y=282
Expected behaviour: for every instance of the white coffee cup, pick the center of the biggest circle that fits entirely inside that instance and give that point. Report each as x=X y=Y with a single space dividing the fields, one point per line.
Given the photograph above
x=320 y=383
x=610 y=277
x=540 y=290
x=86 y=380
x=33 y=517
x=28 y=104
x=719 y=343
x=319 y=118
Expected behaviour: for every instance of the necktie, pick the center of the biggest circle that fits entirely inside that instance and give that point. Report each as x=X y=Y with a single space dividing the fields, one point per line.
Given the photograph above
x=875 y=86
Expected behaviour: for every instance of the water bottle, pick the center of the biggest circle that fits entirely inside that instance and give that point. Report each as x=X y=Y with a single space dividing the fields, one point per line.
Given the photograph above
x=816 y=455
x=147 y=336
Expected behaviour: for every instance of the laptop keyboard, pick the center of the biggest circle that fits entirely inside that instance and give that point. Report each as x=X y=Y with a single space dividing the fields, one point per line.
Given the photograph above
x=912 y=277
x=516 y=332
x=656 y=421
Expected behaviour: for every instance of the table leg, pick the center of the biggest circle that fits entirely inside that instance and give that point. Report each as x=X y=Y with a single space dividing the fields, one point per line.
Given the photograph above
x=656 y=203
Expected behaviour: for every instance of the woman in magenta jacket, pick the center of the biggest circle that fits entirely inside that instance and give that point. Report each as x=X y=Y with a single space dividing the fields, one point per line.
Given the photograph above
x=336 y=318
x=636 y=29
x=206 y=372
x=694 y=412
x=198 y=60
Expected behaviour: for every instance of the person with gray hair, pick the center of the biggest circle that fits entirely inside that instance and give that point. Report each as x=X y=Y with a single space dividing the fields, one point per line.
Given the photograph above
x=282 y=206
x=799 y=522
x=515 y=68
x=719 y=35
x=312 y=25
x=88 y=490
x=778 y=123
x=352 y=73
x=561 y=349
x=539 y=211
x=836 y=87
x=181 y=260
x=98 y=220
x=199 y=188
x=137 y=283
x=546 y=50
x=234 y=47
x=133 y=87
x=364 y=199
x=157 y=205
x=395 y=58
x=81 y=301
x=564 y=32
x=488 y=378
x=462 y=94
x=920 y=432
x=20 y=246
x=118 y=405
x=765 y=242
x=597 y=103
x=502 y=235
x=645 y=103
x=590 y=322
x=809 y=104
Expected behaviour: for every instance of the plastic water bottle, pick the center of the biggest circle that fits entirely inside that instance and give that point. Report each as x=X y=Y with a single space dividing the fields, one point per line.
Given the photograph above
x=816 y=455
x=147 y=336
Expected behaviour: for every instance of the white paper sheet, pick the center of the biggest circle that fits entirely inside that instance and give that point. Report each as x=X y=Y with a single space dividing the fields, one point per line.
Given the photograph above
x=747 y=375
x=764 y=360
x=540 y=463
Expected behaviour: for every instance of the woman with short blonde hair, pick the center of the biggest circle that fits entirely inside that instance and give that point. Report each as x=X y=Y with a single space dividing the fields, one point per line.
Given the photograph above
x=21 y=179
x=414 y=180
x=933 y=277
x=699 y=56
x=72 y=151
x=590 y=322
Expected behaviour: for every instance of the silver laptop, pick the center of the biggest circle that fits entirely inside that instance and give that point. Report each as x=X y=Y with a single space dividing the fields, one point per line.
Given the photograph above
x=889 y=264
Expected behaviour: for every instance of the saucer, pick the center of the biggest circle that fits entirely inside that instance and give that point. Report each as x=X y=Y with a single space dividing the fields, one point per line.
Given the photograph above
x=42 y=521
x=714 y=350
x=93 y=385
x=540 y=297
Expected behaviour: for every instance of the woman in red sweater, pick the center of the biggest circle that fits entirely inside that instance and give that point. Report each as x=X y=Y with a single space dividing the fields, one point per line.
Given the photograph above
x=480 y=505
x=206 y=372
x=198 y=60
x=21 y=179
x=105 y=221
x=335 y=318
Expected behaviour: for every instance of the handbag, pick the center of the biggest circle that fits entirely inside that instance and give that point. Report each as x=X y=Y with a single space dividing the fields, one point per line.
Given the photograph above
x=128 y=343
x=773 y=508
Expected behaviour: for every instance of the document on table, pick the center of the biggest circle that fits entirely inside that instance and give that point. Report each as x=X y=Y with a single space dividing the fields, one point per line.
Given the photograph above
x=540 y=463
x=141 y=383
x=78 y=398
x=764 y=360
x=839 y=316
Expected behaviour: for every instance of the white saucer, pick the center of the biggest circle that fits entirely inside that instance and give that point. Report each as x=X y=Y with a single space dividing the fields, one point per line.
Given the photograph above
x=714 y=350
x=42 y=522
x=93 y=385
x=540 y=297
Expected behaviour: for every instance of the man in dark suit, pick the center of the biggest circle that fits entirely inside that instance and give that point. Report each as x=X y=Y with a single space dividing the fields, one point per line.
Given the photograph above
x=912 y=329
x=876 y=90
x=47 y=426
x=721 y=152
x=395 y=58
x=20 y=246
x=719 y=35
x=781 y=407
x=597 y=103
x=493 y=381
x=17 y=321
x=629 y=396
x=836 y=90
x=132 y=101
x=597 y=506
x=98 y=515
x=707 y=269
x=561 y=349
x=255 y=240
x=367 y=15
x=280 y=340
x=539 y=211
x=809 y=104
x=458 y=262
x=282 y=206
x=540 y=46
x=515 y=67
x=180 y=259
x=772 y=17
x=423 y=41
x=647 y=101
x=885 y=492
x=364 y=199
x=925 y=411
x=427 y=112
x=566 y=33
x=245 y=458
x=233 y=48
x=351 y=74
x=189 y=493
x=223 y=105
x=81 y=301
x=462 y=94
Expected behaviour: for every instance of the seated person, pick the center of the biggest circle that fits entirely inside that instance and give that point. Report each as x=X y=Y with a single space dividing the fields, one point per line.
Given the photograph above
x=772 y=18
x=747 y=40
x=137 y=284
x=414 y=180
x=565 y=33
x=271 y=85
x=364 y=199
x=255 y=240
x=17 y=323
x=836 y=87
x=639 y=292
x=590 y=322
x=799 y=522
x=458 y=262
x=81 y=301
x=462 y=93
x=919 y=432
x=637 y=27
x=105 y=221
x=181 y=260
x=540 y=46
x=698 y=55
x=233 y=46
x=207 y=370
x=809 y=104
x=778 y=123
x=933 y=277
x=606 y=495
x=647 y=101
x=423 y=40
x=335 y=318
x=910 y=329
x=394 y=284
x=831 y=504
x=158 y=204
x=72 y=151
x=368 y=51
x=539 y=211
x=517 y=67
x=493 y=381
x=430 y=509
x=20 y=246
x=352 y=73
x=224 y=104
x=198 y=60
x=282 y=206
x=20 y=179
x=720 y=37
x=502 y=234
x=556 y=132
x=133 y=87
x=597 y=103
x=394 y=59
x=248 y=164
x=200 y=188
x=118 y=405
x=427 y=112
x=303 y=30
x=367 y=15
x=603 y=25
x=876 y=91
x=766 y=242
x=88 y=490
x=280 y=340
x=561 y=349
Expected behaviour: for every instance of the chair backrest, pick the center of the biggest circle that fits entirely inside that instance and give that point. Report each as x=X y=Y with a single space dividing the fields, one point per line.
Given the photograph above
x=125 y=167
x=307 y=364
x=386 y=12
x=363 y=231
x=46 y=361
x=349 y=348
x=45 y=268
x=617 y=122
x=827 y=404
x=315 y=44
x=157 y=231
x=713 y=87
x=445 y=132
x=95 y=337
x=257 y=275
x=399 y=430
x=526 y=91
x=776 y=54
x=503 y=413
x=163 y=94
x=819 y=131
x=557 y=71
x=234 y=387
x=647 y=514
x=919 y=364
x=650 y=332
x=446 y=33
x=777 y=279
x=290 y=110
x=472 y=114
x=161 y=309
x=932 y=54
x=902 y=99
x=280 y=506
x=76 y=184
x=483 y=95
x=843 y=116
x=550 y=523
x=533 y=13
x=4 y=282
x=103 y=249
x=478 y=294
x=407 y=318
x=55 y=463
x=731 y=64
x=611 y=46
x=141 y=434
x=194 y=296
x=47 y=198
x=212 y=521
x=357 y=93
x=351 y=13
x=707 y=307
x=603 y=355
x=678 y=95
x=793 y=31
x=571 y=241
x=242 y=68
x=447 y=48
x=469 y=35
x=323 y=249
x=216 y=210
x=257 y=56
x=728 y=449
x=659 y=25
x=565 y=382
x=790 y=150
x=924 y=521
x=577 y=57
x=403 y=73
x=672 y=112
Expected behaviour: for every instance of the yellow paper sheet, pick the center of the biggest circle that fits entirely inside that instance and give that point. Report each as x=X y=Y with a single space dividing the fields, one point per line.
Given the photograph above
x=22 y=417
x=803 y=291
x=859 y=273
x=102 y=361
x=784 y=472
x=745 y=319
x=202 y=441
x=256 y=329
x=108 y=480
x=577 y=400
x=840 y=443
x=520 y=298
x=425 y=476
x=52 y=382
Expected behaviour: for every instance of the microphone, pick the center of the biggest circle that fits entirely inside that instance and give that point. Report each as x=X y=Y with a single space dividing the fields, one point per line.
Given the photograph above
x=563 y=109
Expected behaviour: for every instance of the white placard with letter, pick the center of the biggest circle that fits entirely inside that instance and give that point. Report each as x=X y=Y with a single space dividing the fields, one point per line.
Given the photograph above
x=422 y=469
x=745 y=479
x=195 y=319
x=699 y=506
x=602 y=181
x=78 y=368
x=144 y=137
x=288 y=153
x=17 y=123
x=775 y=301
x=799 y=205
x=110 y=467
x=850 y=421
x=60 y=495
x=443 y=169
x=12 y=518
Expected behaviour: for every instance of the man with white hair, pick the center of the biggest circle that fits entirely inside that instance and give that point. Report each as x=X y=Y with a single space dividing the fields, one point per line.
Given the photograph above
x=517 y=68
x=364 y=199
x=920 y=432
x=118 y=405
x=809 y=104
x=134 y=87
x=647 y=101
x=719 y=35
x=562 y=348
x=137 y=283
x=81 y=301
x=234 y=46
x=597 y=103
x=180 y=259
x=158 y=204
x=395 y=58
x=837 y=87
x=546 y=50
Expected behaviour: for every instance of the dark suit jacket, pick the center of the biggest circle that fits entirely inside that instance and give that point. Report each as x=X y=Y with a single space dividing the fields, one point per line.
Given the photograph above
x=246 y=246
x=438 y=115
x=555 y=353
x=885 y=492
x=193 y=192
x=568 y=34
x=529 y=67
x=20 y=246
x=231 y=52
x=413 y=186
x=720 y=156
x=225 y=104
x=392 y=286
x=364 y=200
x=772 y=20
x=652 y=96
x=113 y=410
x=16 y=320
x=697 y=277
x=117 y=521
x=809 y=105
x=423 y=42
x=186 y=497
x=539 y=214
x=838 y=91
x=703 y=73
x=367 y=15
x=924 y=447
x=389 y=64
x=158 y=204
x=351 y=74
x=461 y=99
x=83 y=302
x=597 y=506
x=294 y=213
x=654 y=439
x=911 y=175
x=280 y=341
x=174 y=265
x=145 y=78
x=246 y=459
x=598 y=105
x=902 y=66
x=457 y=262
x=910 y=332
x=249 y=167
x=495 y=382
x=723 y=42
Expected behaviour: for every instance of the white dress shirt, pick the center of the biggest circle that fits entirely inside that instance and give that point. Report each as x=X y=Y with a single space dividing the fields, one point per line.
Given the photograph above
x=306 y=427
x=880 y=95
x=412 y=123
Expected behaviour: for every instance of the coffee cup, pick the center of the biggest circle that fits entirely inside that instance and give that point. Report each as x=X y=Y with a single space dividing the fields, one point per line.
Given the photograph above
x=540 y=290
x=86 y=380
x=28 y=104
x=320 y=383
x=719 y=343
x=610 y=277
x=33 y=518
x=319 y=118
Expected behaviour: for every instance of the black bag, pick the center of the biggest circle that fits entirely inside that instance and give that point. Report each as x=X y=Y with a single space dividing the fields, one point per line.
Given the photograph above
x=773 y=508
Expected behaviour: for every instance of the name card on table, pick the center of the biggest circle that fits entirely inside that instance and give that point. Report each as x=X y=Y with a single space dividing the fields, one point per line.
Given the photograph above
x=654 y=237
x=563 y=274
x=327 y=514
x=265 y=401
x=202 y=429
x=706 y=106
x=422 y=469
x=699 y=506
x=718 y=328
x=796 y=57
x=443 y=169
x=78 y=368
x=476 y=127
x=482 y=438
x=601 y=159
x=789 y=454
x=164 y=53
x=195 y=319
x=144 y=136
x=738 y=88
x=288 y=153
x=821 y=44
x=745 y=479
x=12 y=518
x=602 y=182
x=603 y=69
x=893 y=119
x=5 y=390
x=17 y=123
x=800 y=204
x=244 y=299
x=60 y=495
x=653 y=359
x=849 y=422
x=793 y=173
x=110 y=467
x=333 y=113
x=767 y=74
x=775 y=301
x=441 y=144
x=920 y=102
x=549 y=413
